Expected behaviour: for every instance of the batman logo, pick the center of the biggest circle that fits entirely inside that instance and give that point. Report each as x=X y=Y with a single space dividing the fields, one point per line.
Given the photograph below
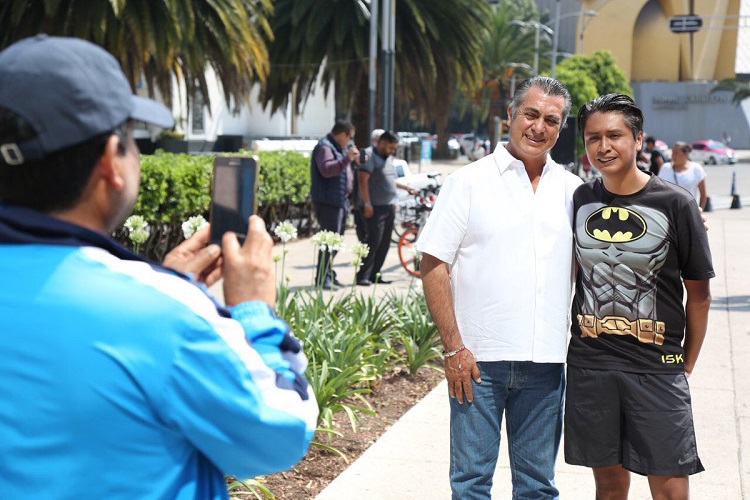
x=615 y=225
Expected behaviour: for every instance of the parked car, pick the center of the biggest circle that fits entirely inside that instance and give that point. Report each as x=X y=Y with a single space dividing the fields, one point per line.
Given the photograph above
x=471 y=142
x=712 y=152
x=453 y=146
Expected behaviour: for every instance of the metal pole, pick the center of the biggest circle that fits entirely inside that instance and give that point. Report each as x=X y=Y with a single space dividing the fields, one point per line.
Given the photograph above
x=373 y=80
x=555 y=37
x=392 y=76
x=388 y=35
x=536 y=49
x=582 y=20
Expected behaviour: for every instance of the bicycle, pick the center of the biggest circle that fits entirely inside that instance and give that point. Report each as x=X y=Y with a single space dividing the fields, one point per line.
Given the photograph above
x=406 y=214
x=407 y=250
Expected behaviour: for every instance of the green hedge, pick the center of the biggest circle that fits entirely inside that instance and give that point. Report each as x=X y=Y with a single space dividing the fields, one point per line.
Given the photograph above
x=175 y=187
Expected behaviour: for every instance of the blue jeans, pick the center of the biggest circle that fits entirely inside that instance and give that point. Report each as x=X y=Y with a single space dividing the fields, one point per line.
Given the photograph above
x=531 y=395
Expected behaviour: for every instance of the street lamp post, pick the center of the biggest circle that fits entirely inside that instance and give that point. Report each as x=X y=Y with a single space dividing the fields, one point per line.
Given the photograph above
x=538 y=27
x=555 y=40
x=373 y=71
x=582 y=20
x=388 y=34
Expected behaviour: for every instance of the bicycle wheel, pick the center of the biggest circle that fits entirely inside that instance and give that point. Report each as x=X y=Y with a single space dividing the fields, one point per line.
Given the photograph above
x=407 y=252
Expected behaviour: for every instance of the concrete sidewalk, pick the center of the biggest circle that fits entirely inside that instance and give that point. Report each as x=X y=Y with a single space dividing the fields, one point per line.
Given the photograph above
x=411 y=459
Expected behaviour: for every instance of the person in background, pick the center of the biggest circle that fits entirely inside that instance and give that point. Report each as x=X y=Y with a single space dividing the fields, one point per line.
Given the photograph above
x=113 y=367
x=685 y=173
x=587 y=172
x=359 y=219
x=331 y=184
x=378 y=185
x=638 y=241
x=655 y=156
x=726 y=138
x=497 y=271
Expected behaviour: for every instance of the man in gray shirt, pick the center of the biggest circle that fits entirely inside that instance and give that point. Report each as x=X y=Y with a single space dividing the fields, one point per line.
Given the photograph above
x=377 y=193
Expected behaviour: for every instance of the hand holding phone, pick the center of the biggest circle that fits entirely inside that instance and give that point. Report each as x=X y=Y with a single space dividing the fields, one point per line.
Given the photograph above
x=249 y=270
x=234 y=189
x=192 y=256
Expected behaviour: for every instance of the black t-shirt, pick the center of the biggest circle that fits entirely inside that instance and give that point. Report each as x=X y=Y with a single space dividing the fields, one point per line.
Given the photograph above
x=633 y=252
x=655 y=166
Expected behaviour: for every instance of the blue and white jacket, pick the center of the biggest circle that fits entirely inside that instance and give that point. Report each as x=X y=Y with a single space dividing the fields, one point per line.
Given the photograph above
x=123 y=379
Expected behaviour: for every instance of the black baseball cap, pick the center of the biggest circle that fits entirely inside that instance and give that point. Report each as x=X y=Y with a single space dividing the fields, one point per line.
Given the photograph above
x=69 y=90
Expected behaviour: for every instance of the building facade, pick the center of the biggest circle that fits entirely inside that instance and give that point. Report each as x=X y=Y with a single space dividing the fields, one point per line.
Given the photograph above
x=672 y=74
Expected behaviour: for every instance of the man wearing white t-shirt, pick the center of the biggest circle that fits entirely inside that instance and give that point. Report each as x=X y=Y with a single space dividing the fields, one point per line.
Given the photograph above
x=497 y=275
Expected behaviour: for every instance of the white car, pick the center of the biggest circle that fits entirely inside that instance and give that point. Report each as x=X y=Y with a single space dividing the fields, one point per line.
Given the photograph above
x=474 y=146
x=712 y=152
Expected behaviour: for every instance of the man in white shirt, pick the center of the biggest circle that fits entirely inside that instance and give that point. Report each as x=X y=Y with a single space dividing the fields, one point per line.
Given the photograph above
x=497 y=275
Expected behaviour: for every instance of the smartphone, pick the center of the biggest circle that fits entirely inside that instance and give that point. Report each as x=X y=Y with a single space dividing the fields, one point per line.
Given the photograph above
x=234 y=195
x=362 y=157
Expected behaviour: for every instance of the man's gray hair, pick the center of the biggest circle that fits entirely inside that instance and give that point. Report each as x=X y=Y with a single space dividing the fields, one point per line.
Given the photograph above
x=548 y=86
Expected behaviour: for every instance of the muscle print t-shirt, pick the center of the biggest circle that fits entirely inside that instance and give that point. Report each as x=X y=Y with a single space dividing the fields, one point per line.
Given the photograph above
x=633 y=252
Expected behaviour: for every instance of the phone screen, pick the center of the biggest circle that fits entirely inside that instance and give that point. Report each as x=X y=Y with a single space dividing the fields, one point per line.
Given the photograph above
x=234 y=191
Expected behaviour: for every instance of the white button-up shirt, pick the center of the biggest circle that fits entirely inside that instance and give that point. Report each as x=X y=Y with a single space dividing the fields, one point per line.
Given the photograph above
x=510 y=252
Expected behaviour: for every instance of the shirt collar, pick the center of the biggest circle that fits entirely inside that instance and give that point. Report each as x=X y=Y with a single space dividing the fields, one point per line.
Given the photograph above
x=506 y=161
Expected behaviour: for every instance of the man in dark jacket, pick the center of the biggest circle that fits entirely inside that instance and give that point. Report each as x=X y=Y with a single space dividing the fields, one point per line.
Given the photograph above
x=332 y=181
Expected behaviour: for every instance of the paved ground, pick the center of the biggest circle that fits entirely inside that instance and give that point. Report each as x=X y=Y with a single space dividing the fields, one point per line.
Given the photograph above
x=411 y=459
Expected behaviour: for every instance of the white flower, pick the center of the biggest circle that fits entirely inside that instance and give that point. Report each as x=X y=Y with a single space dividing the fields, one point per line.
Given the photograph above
x=193 y=225
x=328 y=240
x=335 y=242
x=317 y=239
x=285 y=231
x=137 y=228
x=361 y=250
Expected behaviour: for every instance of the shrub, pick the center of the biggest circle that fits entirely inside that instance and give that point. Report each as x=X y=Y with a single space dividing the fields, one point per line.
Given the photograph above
x=175 y=187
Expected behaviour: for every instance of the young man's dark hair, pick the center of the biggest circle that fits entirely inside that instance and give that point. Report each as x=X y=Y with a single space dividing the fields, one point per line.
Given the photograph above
x=389 y=137
x=56 y=181
x=619 y=103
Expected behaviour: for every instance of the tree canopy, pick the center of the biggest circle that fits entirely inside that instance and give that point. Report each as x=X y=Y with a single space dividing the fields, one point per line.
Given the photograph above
x=156 y=40
x=503 y=44
x=437 y=51
x=602 y=69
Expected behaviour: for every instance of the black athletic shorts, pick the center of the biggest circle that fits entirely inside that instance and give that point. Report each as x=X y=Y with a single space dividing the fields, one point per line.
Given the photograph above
x=642 y=421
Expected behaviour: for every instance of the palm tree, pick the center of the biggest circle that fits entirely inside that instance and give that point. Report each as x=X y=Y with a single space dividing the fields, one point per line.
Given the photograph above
x=740 y=89
x=156 y=40
x=504 y=44
x=438 y=44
